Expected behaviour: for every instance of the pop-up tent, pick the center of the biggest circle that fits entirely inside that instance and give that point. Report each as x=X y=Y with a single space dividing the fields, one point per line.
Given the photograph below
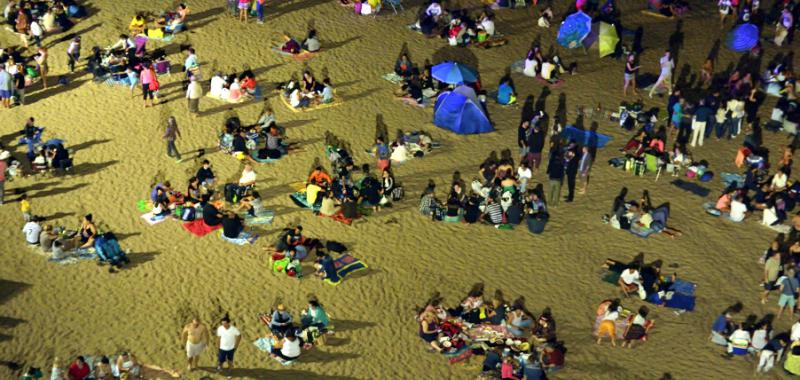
x=460 y=111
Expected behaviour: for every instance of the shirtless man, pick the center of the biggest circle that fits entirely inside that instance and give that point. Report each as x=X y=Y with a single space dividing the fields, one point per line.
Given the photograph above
x=196 y=336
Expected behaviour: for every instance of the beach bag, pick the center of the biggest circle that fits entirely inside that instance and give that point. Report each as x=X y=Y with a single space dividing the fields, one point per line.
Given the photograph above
x=189 y=214
x=154 y=85
x=279 y=266
x=398 y=193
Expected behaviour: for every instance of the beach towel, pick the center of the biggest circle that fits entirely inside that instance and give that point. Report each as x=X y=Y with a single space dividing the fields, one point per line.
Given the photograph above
x=199 y=228
x=267 y=160
x=301 y=56
x=241 y=99
x=584 y=137
x=153 y=220
x=680 y=295
x=121 y=81
x=242 y=239
x=336 y=101
x=407 y=100
x=265 y=217
x=72 y=257
x=346 y=265
x=729 y=178
x=691 y=187
x=548 y=83
x=394 y=78
x=339 y=217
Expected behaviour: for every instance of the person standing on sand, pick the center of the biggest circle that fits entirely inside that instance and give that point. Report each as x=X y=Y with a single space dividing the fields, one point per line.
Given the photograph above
x=228 y=338
x=631 y=69
x=3 y=167
x=665 y=78
x=193 y=94
x=170 y=135
x=41 y=65
x=6 y=87
x=73 y=53
x=196 y=336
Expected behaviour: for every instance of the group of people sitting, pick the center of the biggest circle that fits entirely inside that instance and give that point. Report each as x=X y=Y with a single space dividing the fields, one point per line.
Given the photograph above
x=310 y=44
x=307 y=92
x=288 y=337
x=516 y=342
x=500 y=197
x=233 y=87
x=755 y=337
x=59 y=243
x=640 y=217
x=536 y=65
x=775 y=196
x=34 y=19
x=165 y=23
x=245 y=141
x=457 y=25
x=102 y=367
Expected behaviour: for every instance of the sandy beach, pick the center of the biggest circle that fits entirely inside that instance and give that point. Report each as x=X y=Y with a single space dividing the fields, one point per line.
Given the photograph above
x=49 y=310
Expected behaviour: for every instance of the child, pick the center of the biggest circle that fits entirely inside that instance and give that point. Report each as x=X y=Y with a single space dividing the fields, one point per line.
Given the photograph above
x=637 y=329
x=25 y=207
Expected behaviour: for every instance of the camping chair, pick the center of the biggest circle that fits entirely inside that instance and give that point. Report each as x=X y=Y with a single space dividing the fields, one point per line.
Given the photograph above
x=651 y=164
x=396 y=4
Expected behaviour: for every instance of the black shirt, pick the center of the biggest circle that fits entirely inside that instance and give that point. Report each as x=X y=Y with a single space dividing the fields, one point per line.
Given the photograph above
x=239 y=145
x=210 y=215
x=203 y=174
x=232 y=227
x=19 y=81
x=536 y=141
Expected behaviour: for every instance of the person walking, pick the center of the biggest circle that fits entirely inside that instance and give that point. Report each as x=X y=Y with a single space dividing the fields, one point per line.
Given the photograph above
x=228 y=338
x=631 y=69
x=147 y=77
x=41 y=65
x=36 y=32
x=555 y=172
x=3 y=167
x=74 y=53
x=170 y=135
x=19 y=84
x=196 y=336
x=665 y=78
x=193 y=94
x=584 y=167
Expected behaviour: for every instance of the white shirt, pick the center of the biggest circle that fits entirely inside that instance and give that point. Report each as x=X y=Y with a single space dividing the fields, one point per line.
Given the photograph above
x=530 y=67
x=779 y=180
x=760 y=339
x=740 y=335
x=611 y=315
x=247 y=177
x=32 y=231
x=217 y=84
x=639 y=320
x=630 y=276
x=488 y=26
x=524 y=173
x=294 y=98
x=547 y=69
x=795 y=334
x=36 y=29
x=291 y=348
x=434 y=10
x=227 y=337
x=737 y=211
x=194 y=91
x=666 y=66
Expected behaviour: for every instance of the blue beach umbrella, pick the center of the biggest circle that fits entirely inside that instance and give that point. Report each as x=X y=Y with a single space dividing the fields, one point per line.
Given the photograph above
x=574 y=29
x=743 y=38
x=453 y=73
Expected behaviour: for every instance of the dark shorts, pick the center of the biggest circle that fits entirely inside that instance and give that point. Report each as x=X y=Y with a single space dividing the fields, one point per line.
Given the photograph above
x=225 y=355
x=5 y=94
x=770 y=285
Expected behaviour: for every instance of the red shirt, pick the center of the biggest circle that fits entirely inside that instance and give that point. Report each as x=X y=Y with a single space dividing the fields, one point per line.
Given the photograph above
x=78 y=373
x=556 y=357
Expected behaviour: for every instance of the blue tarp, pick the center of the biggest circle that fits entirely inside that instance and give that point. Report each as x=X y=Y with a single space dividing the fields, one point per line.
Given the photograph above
x=460 y=111
x=582 y=137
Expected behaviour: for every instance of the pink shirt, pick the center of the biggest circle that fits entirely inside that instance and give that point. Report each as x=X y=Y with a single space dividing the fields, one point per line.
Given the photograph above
x=3 y=167
x=146 y=76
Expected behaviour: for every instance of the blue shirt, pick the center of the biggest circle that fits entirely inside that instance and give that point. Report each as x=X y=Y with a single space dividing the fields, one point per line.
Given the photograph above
x=5 y=81
x=504 y=94
x=703 y=114
x=720 y=324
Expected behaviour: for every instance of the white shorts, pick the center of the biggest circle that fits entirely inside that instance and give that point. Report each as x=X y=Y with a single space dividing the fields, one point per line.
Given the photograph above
x=194 y=350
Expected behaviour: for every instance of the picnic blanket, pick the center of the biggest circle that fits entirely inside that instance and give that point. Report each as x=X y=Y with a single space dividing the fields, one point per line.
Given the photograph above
x=241 y=99
x=199 y=228
x=301 y=56
x=729 y=178
x=267 y=160
x=242 y=239
x=336 y=101
x=299 y=198
x=153 y=220
x=339 y=217
x=345 y=265
x=265 y=345
x=394 y=78
x=680 y=294
x=121 y=81
x=72 y=257
x=265 y=217
x=554 y=84
x=691 y=187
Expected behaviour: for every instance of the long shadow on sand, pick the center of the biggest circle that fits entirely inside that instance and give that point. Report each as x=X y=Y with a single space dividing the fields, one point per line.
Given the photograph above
x=264 y=373
x=88 y=144
x=8 y=290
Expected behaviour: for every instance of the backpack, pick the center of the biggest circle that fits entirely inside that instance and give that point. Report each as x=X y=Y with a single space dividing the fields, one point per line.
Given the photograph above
x=398 y=193
x=349 y=210
x=189 y=214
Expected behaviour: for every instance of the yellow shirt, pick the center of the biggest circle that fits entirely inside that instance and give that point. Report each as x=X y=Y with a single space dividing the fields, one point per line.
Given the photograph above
x=25 y=206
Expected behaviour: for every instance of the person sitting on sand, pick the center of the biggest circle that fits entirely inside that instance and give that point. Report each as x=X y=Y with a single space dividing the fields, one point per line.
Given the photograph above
x=102 y=370
x=218 y=89
x=233 y=228
x=326 y=95
x=311 y=43
x=290 y=45
x=289 y=349
x=505 y=92
x=428 y=204
x=314 y=316
x=127 y=364
x=544 y=330
x=86 y=234
x=519 y=319
x=636 y=329
x=429 y=330
x=281 y=321
x=630 y=280
x=403 y=67
x=137 y=24
x=607 y=326
x=205 y=175
x=211 y=215
x=78 y=369
x=298 y=99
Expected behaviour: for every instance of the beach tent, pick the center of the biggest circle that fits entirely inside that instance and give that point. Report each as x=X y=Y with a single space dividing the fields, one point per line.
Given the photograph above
x=743 y=38
x=574 y=29
x=460 y=111
x=604 y=37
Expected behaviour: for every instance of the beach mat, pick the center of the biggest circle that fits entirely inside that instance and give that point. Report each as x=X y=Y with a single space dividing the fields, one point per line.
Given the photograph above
x=558 y=83
x=263 y=160
x=242 y=99
x=151 y=221
x=299 y=198
x=199 y=228
x=301 y=56
x=346 y=265
x=264 y=218
x=394 y=78
x=691 y=187
x=73 y=257
x=336 y=101
x=241 y=240
x=339 y=217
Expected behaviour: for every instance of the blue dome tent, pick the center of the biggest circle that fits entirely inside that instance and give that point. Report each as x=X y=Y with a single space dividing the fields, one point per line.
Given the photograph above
x=460 y=111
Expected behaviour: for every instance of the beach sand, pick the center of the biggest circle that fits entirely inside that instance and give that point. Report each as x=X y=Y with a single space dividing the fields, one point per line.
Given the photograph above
x=50 y=310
